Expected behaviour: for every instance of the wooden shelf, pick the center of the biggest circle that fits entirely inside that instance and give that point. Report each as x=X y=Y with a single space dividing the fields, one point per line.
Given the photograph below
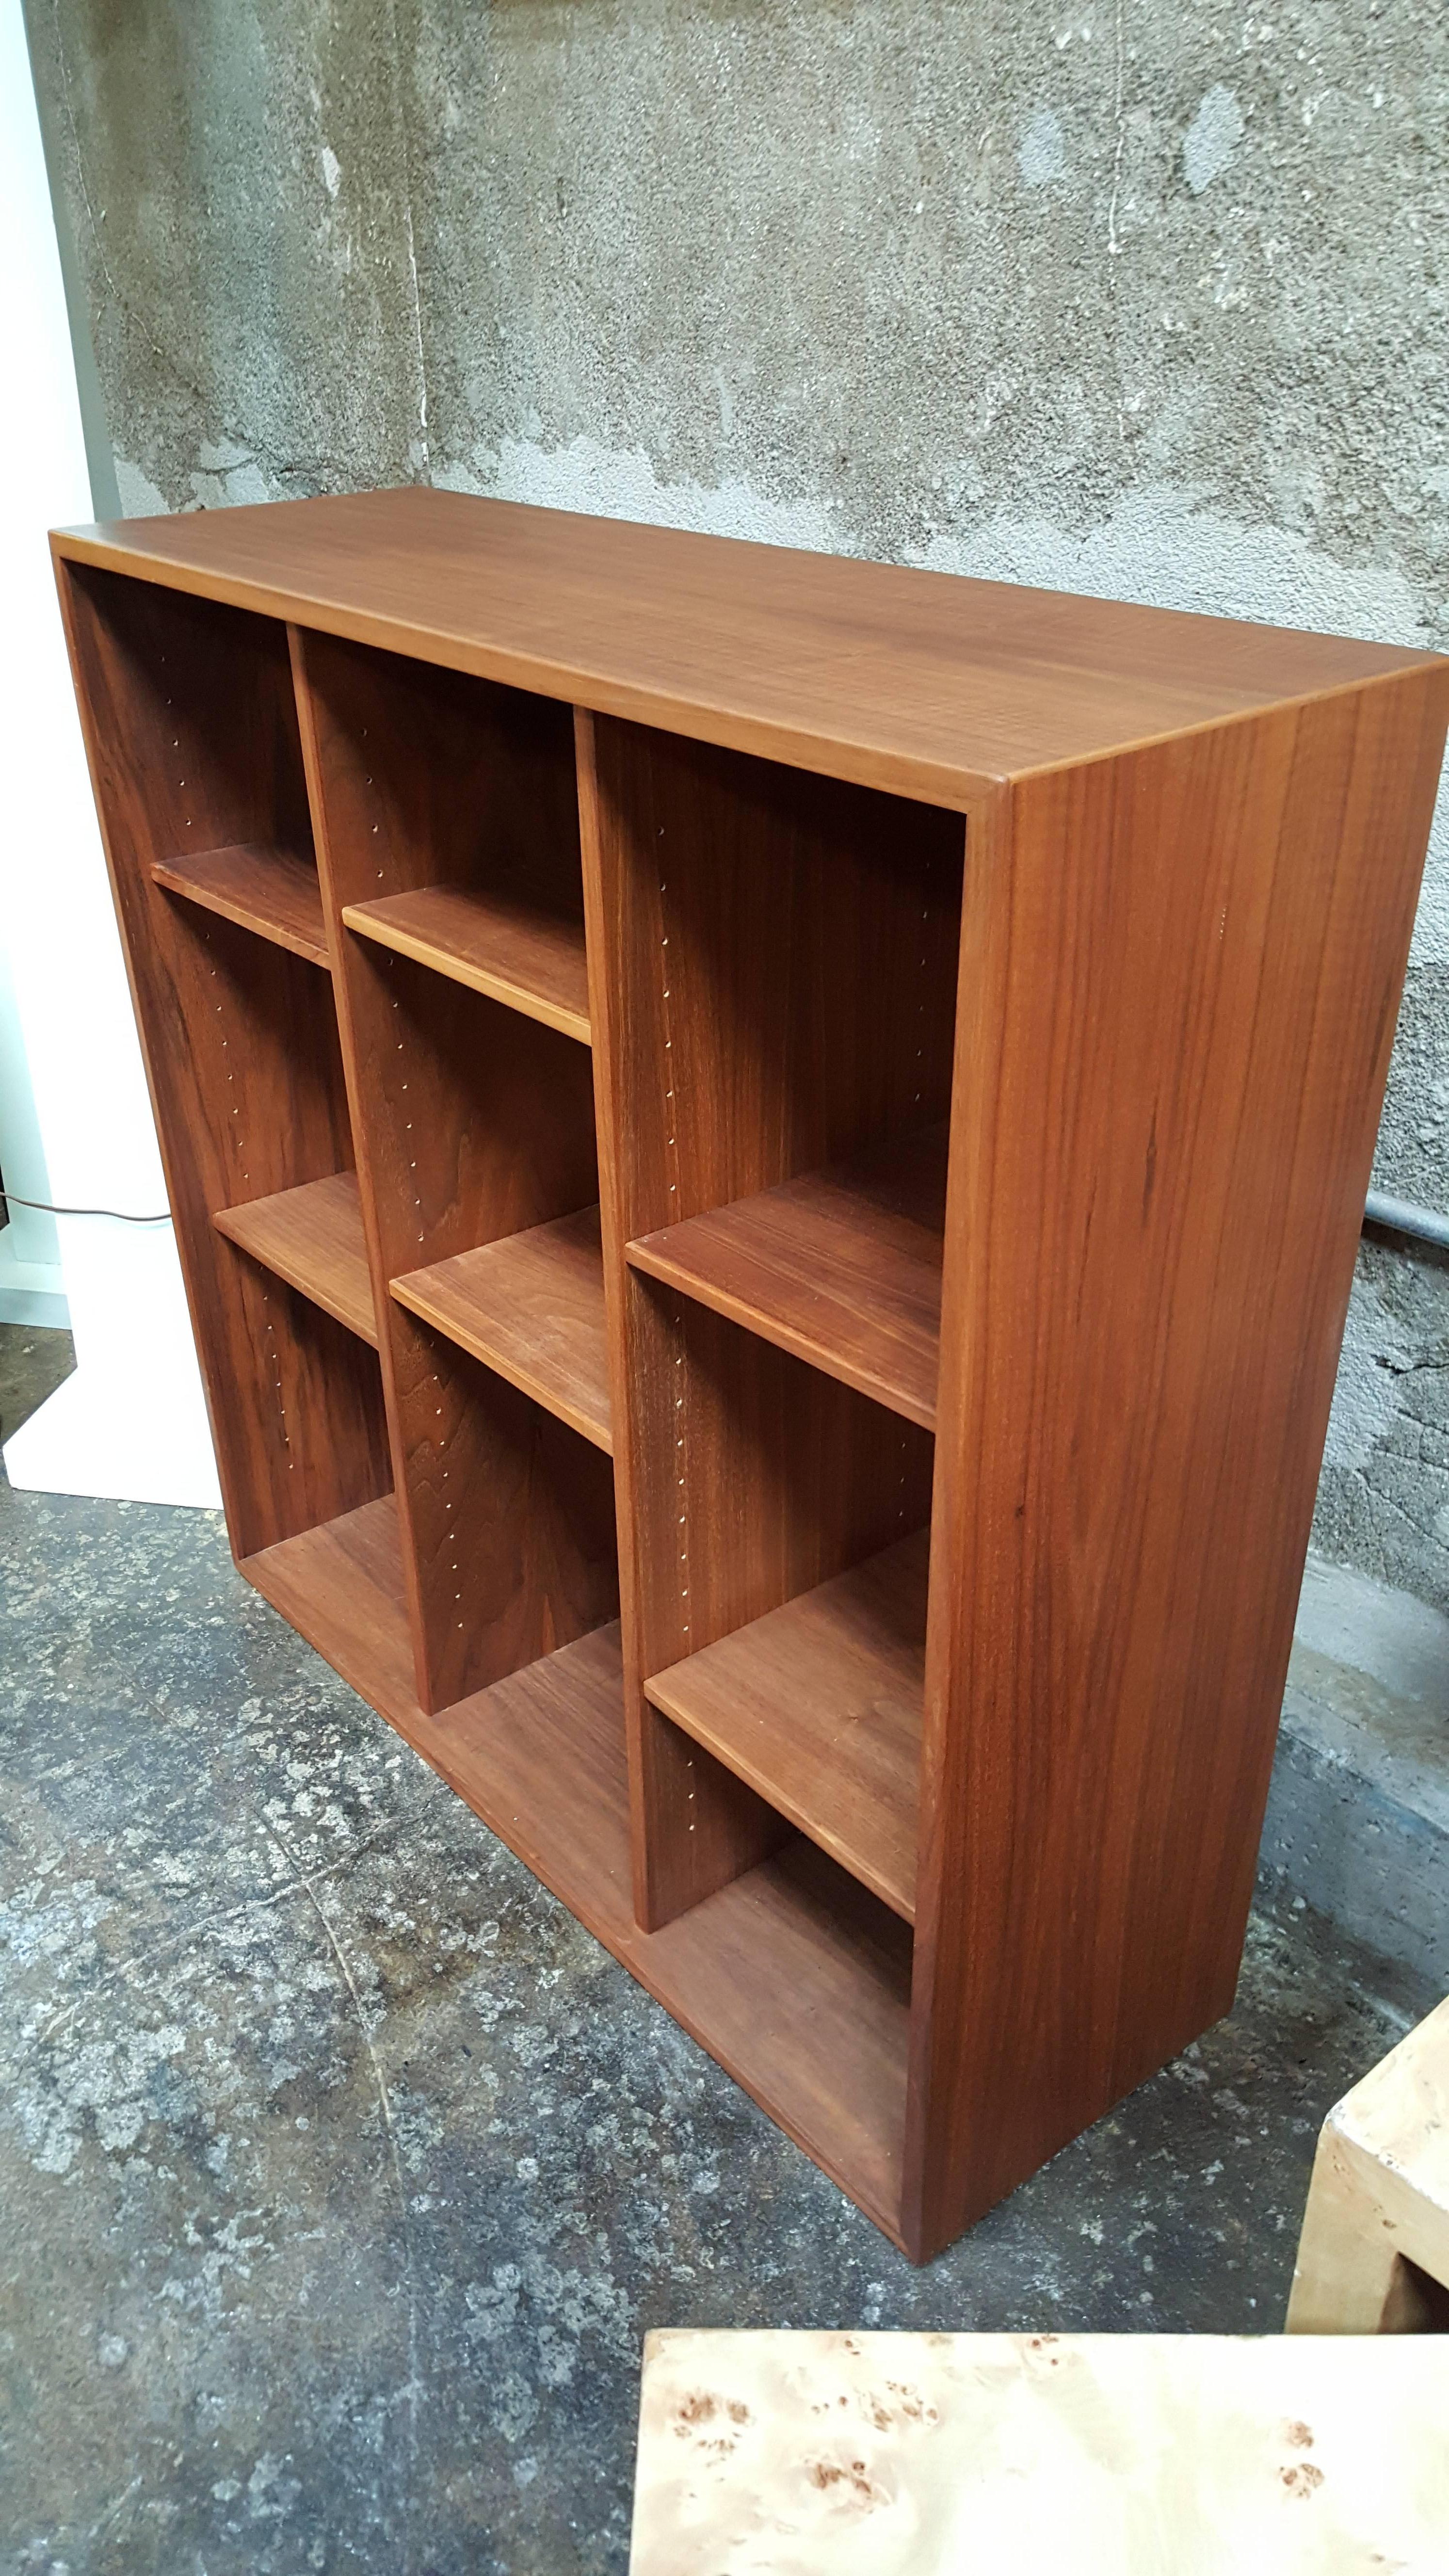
x=818 y=1706
x=500 y=943
x=311 y=1237
x=541 y=1758
x=270 y=890
x=531 y=1307
x=842 y=1267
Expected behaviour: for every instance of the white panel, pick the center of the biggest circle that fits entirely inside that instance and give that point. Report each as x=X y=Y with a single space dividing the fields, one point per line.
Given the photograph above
x=131 y=1423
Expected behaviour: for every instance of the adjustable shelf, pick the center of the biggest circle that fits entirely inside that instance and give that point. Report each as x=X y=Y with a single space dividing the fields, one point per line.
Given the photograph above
x=904 y=1725
x=311 y=1236
x=842 y=1267
x=818 y=1706
x=531 y=1307
x=495 y=941
x=272 y=891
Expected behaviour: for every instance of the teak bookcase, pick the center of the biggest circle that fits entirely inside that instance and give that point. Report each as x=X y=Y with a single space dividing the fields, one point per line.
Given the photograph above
x=767 y=1154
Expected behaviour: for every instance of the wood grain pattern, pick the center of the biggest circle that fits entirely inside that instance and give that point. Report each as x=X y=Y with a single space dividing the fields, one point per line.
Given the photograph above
x=475 y=1122
x=772 y=988
x=273 y=891
x=818 y=1706
x=498 y=943
x=510 y=1517
x=762 y=1478
x=191 y=731
x=532 y=1307
x=540 y=1757
x=311 y=1236
x=915 y=681
x=841 y=1267
x=1183 y=973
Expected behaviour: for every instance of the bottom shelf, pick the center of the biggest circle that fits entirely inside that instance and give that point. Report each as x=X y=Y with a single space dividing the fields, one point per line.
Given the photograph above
x=540 y=1757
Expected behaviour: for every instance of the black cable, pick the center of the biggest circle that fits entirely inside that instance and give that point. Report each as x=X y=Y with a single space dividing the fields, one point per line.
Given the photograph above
x=122 y=1215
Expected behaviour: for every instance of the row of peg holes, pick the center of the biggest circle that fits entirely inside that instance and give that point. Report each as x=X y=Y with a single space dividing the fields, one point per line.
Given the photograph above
x=672 y=1167
x=240 y=1148
x=444 y=1473
x=916 y=1101
x=273 y=1359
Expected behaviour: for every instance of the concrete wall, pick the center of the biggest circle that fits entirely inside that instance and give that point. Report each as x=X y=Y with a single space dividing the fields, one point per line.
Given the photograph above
x=1137 y=297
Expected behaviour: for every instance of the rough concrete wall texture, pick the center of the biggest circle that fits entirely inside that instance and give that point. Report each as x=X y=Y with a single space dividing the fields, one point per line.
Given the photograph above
x=1142 y=297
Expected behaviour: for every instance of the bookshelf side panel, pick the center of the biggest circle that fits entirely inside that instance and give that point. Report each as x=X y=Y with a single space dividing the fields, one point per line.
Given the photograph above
x=1180 y=975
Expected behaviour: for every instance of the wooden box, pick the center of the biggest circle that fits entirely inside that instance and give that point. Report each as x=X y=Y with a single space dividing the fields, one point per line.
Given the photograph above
x=767 y=1154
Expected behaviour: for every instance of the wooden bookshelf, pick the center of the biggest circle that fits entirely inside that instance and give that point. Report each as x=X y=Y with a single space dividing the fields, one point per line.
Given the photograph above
x=775 y=1310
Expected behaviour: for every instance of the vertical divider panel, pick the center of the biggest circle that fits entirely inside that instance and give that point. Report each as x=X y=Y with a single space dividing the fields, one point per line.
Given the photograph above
x=190 y=730
x=772 y=963
x=473 y=1122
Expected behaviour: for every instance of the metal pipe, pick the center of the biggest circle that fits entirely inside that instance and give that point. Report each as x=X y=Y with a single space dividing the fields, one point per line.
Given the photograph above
x=1404 y=1218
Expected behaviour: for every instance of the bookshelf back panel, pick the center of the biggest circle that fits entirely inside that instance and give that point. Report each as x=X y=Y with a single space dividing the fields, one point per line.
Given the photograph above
x=297 y=1406
x=782 y=957
x=194 y=729
x=475 y=1121
x=510 y=1517
x=433 y=778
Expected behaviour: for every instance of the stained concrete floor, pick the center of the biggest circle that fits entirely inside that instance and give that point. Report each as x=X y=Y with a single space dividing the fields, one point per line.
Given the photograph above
x=341 y=2173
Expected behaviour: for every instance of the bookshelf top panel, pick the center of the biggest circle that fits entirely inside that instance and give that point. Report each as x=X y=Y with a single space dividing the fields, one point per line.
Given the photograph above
x=925 y=683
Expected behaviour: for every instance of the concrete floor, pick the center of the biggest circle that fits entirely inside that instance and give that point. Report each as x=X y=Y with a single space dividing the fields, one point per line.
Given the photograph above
x=341 y=2173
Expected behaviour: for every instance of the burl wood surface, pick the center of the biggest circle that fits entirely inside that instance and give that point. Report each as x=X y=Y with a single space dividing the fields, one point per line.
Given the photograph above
x=770 y=2454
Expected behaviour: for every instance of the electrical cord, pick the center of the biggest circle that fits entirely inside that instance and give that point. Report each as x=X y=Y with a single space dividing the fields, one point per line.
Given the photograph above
x=122 y=1216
